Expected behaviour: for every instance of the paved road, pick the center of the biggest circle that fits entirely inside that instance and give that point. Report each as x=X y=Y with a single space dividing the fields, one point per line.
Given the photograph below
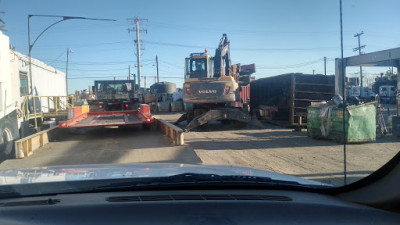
x=105 y=145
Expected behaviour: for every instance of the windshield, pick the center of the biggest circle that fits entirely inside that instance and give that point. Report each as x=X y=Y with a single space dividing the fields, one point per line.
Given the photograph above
x=114 y=87
x=198 y=68
x=291 y=90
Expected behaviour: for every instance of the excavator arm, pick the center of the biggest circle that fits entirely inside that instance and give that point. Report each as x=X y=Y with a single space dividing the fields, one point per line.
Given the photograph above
x=222 y=59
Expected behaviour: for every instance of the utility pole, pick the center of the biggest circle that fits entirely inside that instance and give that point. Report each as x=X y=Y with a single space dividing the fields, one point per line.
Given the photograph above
x=129 y=72
x=325 y=65
x=134 y=83
x=137 y=21
x=359 y=52
x=158 y=77
x=66 y=75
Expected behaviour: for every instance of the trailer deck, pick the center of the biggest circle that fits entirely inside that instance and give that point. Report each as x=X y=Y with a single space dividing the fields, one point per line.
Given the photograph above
x=109 y=118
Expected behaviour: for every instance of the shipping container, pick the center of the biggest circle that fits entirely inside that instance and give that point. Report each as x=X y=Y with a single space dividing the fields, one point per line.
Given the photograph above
x=290 y=94
x=245 y=94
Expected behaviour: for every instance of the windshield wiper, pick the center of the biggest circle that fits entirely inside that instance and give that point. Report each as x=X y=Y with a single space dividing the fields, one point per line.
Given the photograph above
x=198 y=180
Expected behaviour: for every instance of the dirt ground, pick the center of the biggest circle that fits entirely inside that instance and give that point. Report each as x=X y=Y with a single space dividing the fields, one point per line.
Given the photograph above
x=105 y=146
x=272 y=148
x=284 y=151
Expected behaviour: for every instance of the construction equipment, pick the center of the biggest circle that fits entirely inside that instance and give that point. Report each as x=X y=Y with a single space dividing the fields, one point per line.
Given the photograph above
x=113 y=95
x=217 y=89
x=387 y=94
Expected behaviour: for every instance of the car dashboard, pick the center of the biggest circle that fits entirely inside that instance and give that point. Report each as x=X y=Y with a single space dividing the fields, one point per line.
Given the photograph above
x=190 y=207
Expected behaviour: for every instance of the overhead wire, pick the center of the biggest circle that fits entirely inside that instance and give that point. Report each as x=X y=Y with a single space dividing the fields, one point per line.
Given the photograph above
x=292 y=65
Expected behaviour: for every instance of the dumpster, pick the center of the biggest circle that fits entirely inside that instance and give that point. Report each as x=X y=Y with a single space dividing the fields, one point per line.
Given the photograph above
x=396 y=126
x=360 y=123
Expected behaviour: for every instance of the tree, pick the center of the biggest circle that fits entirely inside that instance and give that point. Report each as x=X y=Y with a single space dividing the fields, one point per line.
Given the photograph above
x=390 y=75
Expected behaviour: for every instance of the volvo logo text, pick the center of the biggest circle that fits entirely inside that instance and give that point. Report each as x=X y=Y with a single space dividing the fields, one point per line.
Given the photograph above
x=207 y=91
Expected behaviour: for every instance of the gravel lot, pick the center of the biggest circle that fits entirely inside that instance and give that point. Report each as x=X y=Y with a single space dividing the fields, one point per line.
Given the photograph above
x=273 y=148
x=284 y=151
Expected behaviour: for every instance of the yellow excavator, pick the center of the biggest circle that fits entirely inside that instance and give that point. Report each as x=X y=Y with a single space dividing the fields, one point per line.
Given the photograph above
x=218 y=90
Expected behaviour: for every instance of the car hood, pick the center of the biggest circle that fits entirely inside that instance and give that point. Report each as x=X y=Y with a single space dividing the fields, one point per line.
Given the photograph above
x=123 y=171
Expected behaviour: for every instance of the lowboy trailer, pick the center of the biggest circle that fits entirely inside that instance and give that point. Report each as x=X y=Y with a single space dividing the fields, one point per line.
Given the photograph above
x=141 y=116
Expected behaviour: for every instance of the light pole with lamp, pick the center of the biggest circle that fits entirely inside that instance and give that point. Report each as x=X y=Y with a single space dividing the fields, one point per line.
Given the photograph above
x=30 y=46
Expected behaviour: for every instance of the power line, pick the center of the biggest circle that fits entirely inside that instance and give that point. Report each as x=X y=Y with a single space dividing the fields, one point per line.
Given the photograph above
x=292 y=66
x=124 y=69
x=112 y=76
x=200 y=47
x=58 y=57
x=237 y=31
x=170 y=64
x=243 y=49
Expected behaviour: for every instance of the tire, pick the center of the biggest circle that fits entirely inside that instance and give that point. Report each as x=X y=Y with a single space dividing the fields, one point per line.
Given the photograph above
x=239 y=124
x=8 y=133
x=226 y=122
x=6 y=143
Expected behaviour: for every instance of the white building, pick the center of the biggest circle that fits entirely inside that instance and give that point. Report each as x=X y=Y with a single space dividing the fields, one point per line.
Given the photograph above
x=15 y=84
x=46 y=80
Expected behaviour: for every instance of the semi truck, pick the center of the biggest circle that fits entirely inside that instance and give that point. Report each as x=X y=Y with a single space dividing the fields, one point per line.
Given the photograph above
x=9 y=101
x=387 y=94
x=217 y=89
x=115 y=104
x=113 y=95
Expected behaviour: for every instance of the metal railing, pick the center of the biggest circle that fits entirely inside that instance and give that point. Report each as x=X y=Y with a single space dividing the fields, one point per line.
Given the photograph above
x=40 y=107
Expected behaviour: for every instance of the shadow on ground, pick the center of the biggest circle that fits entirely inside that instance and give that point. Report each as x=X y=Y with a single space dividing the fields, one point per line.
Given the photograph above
x=336 y=179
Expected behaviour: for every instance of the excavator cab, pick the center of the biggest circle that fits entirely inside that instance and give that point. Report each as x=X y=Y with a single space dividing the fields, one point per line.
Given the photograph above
x=199 y=65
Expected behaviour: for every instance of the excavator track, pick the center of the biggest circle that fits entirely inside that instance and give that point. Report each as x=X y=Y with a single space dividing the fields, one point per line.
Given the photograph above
x=233 y=114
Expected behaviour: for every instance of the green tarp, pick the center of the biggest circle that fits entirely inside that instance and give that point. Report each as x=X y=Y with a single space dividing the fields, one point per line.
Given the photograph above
x=360 y=123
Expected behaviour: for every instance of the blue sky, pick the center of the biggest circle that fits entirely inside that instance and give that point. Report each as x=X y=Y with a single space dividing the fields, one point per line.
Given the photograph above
x=279 y=36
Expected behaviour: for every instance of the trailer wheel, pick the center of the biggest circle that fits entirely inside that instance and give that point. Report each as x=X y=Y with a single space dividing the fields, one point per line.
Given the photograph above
x=6 y=143
x=239 y=124
x=226 y=122
x=146 y=126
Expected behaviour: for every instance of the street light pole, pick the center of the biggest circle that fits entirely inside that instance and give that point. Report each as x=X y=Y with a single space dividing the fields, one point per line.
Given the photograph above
x=30 y=46
x=66 y=72
x=29 y=54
